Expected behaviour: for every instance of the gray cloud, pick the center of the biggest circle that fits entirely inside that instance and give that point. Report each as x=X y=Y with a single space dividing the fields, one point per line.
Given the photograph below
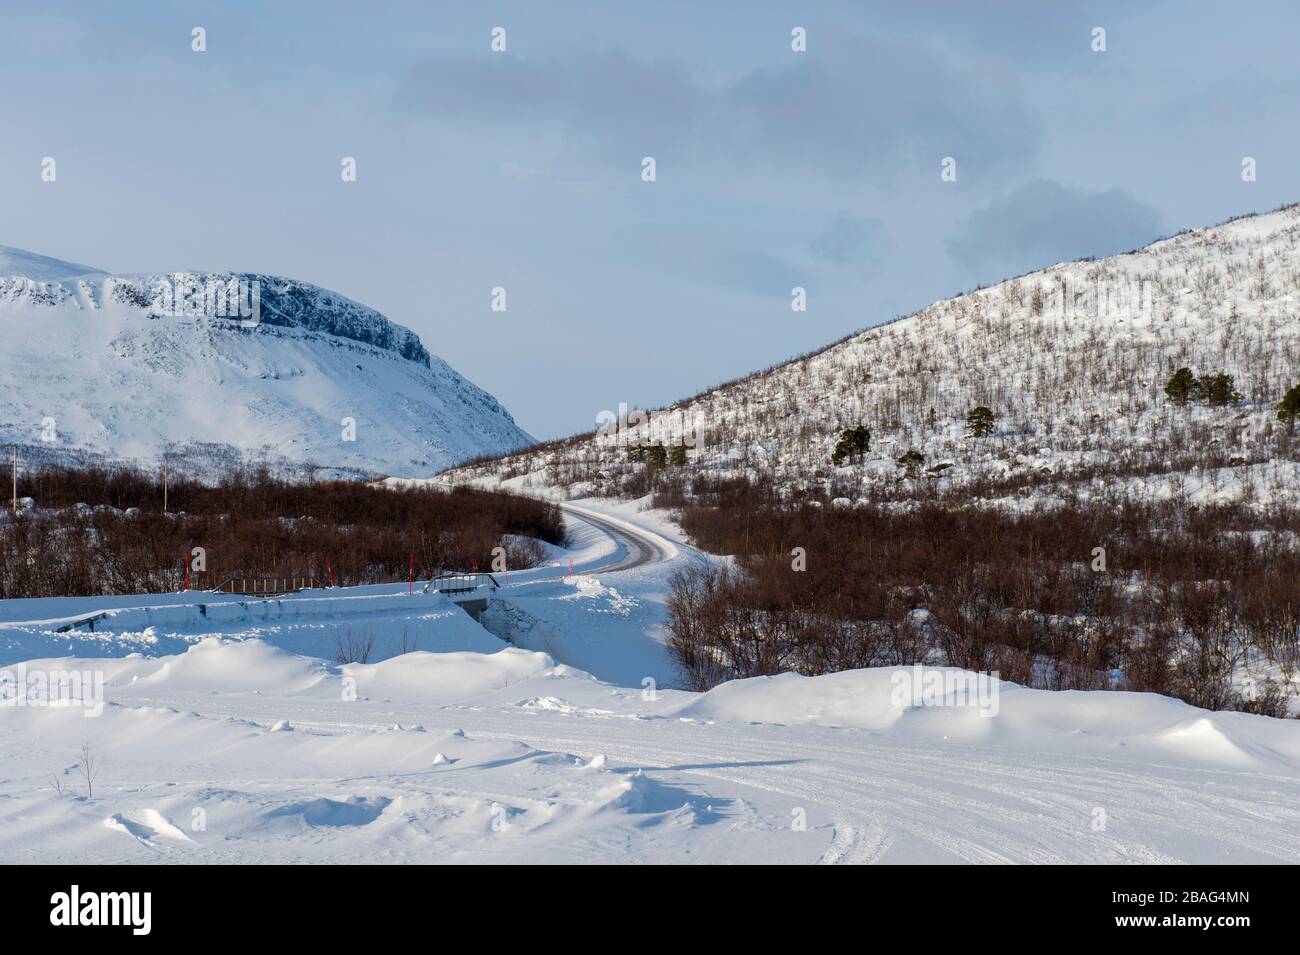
x=867 y=107
x=715 y=258
x=604 y=95
x=859 y=108
x=848 y=241
x=1044 y=222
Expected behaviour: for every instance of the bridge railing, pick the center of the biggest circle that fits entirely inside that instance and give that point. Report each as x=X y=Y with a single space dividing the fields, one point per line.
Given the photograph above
x=462 y=583
x=263 y=586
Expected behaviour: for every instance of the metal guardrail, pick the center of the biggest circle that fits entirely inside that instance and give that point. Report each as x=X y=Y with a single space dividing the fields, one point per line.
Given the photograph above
x=462 y=583
x=88 y=622
x=264 y=586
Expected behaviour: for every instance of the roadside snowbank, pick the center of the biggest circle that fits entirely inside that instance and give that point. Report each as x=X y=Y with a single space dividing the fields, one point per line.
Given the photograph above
x=308 y=623
x=942 y=703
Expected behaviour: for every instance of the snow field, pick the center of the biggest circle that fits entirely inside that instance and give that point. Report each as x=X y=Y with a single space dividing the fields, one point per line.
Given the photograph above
x=238 y=748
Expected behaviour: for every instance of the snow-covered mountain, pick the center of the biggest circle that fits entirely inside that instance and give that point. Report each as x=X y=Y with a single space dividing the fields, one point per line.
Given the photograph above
x=132 y=367
x=41 y=268
x=1073 y=361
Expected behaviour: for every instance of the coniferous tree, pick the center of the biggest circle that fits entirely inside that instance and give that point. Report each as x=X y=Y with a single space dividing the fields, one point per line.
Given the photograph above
x=1218 y=390
x=1288 y=408
x=656 y=456
x=677 y=455
x=1182 y=386
x=853 y=445
x=980 y=421
x=911 y=462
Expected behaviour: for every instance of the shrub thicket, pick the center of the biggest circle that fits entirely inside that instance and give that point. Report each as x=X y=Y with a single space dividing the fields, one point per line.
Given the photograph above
x=104 y=531
x=1156 y=596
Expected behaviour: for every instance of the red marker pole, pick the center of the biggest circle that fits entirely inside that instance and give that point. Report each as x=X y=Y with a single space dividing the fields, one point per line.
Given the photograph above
x=411 y=588
x=329 y=570
x=186 y=560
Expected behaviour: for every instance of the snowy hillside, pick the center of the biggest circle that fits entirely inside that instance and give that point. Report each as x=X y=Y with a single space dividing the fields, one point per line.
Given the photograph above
x=130 y=367
x=1072 y=360
x=40 y=268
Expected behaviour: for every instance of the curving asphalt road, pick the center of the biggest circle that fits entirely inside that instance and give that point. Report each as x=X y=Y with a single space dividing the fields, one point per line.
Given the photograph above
x=642 y=548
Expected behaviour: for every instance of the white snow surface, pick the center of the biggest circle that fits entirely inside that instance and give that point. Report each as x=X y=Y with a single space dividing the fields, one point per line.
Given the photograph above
x=97 y=363
x=231 y=736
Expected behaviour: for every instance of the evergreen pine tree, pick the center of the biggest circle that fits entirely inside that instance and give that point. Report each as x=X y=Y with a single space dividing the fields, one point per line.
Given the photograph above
x=1181 y=386
x=1288 y=408
x=911 y=462
x=1218 y=390
x=854 y=443
x=980 y=421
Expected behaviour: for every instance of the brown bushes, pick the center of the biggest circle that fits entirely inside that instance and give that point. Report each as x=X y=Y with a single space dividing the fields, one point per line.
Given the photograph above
x=253 y=524
x=1160 y=596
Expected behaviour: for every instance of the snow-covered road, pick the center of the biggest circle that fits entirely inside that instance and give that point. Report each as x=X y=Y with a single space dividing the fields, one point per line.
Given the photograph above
x=640 y=546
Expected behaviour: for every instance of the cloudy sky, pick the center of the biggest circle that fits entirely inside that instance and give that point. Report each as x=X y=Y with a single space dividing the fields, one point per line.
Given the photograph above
x=522 y=169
